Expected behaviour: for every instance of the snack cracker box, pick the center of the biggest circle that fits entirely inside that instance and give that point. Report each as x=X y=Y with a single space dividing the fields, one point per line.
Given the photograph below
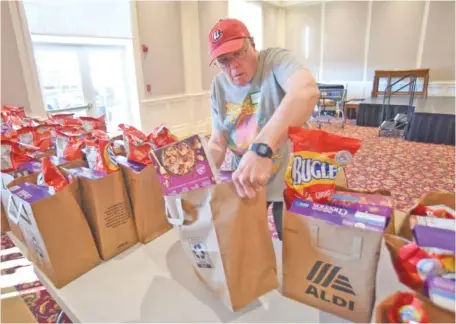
x=370 y=203
x=184 y=166
x=339 y=216
x=432 y=232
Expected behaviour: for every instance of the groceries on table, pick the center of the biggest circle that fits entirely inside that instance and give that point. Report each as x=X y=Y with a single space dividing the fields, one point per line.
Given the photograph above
x=77 y=196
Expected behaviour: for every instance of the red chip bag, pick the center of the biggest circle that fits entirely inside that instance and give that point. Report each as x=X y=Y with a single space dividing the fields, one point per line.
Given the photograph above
x=100 y=155
x=161 y=136
x=413 y=265
x=99 y=134
x=90 y=123
x=69 y=144
x=316 y=158
x=407 y=308
x=52 y=176
x=422 y=210
x=43 y=136
x=136 y=144
x=13 y=154
x=13 y=110
x=60 y=118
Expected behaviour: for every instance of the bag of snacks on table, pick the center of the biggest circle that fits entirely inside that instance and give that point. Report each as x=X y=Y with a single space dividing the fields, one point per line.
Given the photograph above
x=220 y=241
x=143 y=186
x=106 y=205
x=331 y=235
x=427 y=274
x=69 y=143
x=56 y=233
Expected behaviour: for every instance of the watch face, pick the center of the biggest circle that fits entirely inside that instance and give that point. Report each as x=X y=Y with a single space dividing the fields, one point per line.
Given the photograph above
x=262 y=149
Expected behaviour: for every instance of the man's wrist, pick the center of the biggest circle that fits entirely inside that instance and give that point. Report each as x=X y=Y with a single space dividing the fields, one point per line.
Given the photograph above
x=262 y=150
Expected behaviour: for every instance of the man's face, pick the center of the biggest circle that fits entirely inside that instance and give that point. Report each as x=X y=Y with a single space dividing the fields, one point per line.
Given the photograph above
x=240 y=66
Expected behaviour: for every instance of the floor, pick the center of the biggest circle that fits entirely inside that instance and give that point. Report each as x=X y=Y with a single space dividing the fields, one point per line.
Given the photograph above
x=407 y=169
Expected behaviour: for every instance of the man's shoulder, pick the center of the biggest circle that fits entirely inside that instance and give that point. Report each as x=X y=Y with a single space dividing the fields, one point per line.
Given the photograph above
x=269 y=54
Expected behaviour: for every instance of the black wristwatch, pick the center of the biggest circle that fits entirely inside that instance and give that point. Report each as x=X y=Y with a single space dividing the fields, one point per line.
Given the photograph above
x=261 y=149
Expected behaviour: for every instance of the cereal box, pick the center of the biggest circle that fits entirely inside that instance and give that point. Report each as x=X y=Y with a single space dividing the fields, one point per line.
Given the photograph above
x=184 y=166
x=370 y=203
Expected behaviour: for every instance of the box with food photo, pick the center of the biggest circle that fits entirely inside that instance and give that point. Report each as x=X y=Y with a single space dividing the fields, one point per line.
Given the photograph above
x=184 y=166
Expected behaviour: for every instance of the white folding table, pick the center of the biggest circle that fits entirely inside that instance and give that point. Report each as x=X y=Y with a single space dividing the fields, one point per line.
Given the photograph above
x=155 y=283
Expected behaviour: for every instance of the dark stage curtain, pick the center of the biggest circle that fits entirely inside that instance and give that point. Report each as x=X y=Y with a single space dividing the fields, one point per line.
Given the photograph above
x=432 y=128
x=371 y=114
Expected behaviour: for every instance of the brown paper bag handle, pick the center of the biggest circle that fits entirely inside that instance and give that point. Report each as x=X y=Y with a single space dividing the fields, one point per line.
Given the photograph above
x=354 y=252
x=174 y=211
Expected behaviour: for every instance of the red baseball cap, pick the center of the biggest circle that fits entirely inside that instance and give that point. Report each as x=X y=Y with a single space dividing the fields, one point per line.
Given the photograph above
x=227 y=36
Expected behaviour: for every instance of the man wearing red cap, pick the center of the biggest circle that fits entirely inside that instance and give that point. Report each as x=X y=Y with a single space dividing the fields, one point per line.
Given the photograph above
x=254 y=100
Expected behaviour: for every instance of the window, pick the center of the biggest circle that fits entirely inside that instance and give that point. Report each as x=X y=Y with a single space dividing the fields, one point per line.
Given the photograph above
x=251 y=14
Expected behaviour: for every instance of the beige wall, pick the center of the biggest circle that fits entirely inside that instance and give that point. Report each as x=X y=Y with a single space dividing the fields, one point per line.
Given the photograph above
x=303 y=33
x=159 y=25
x=396 y=38
x=343 y=49
x=395 y=35
x=439 y=44
x=209 y=12
x=270 y=25
x=13 y=90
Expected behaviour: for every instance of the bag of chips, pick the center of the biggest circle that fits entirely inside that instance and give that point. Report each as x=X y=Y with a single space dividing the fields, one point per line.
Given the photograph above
x=69 y=143
x=161 y=136
x=60 y=118
x=137 y=145
x=316 y=159
x=406 y=308
x=90 y=123
x=43 y=136
x=51 y=176
x=14 y=111
x=100 y=155
x=13 y=154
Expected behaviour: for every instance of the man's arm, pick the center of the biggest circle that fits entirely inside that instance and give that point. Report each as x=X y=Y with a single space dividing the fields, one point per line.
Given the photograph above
x=217 y=142
x=217 y=147
x=302 y=95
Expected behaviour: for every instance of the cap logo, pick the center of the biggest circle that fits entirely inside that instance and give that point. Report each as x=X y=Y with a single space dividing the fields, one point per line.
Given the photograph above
x=217 y=35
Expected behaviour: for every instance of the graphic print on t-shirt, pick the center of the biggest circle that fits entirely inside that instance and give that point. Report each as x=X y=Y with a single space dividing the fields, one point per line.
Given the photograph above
x=245 y=122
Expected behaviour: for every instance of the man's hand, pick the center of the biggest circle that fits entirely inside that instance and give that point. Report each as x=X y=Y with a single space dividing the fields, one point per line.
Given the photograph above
x=252 y=174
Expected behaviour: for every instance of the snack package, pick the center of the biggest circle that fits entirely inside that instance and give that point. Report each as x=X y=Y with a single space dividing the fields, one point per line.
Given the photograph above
x=407 y=308
x=91 y=123
x=13 y=154
x=184 y=166
x=60 y=118
x=100 y=155
x=51 y=176
x=69 y=143
x=161 y=136
x=441 y=290
x=25 y=135
x=432 y=232
x=339 y=215
x=414 y=265
x=137 y=145
x=8 y=133
x=316 y=158
x=370 y=203
x=43 y=136
x=438 y=211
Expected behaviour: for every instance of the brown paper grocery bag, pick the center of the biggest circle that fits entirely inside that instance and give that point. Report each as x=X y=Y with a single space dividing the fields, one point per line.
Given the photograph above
x=228 y=242
x=147 y=202
x=428 y=199
x=330 y=267
x=5 y=225
x=57 y=235
x=107 y=207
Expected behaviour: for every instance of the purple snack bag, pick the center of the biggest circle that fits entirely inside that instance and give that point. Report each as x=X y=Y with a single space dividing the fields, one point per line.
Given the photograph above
x=184 y=166
x=339 y=216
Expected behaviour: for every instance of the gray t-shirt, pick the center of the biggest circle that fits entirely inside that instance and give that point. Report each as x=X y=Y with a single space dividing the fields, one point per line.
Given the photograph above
x=240 y=112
